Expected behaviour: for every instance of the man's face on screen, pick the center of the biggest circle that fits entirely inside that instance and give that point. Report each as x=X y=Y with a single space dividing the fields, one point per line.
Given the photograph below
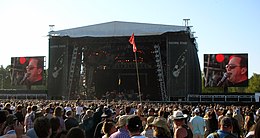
x=33 y=71
x=233 y=68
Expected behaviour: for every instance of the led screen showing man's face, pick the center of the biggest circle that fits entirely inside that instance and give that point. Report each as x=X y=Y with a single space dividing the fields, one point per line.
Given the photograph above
x=27 y=70
x=226 y=70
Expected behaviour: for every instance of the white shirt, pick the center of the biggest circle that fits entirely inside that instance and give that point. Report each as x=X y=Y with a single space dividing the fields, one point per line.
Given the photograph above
x=79 y=109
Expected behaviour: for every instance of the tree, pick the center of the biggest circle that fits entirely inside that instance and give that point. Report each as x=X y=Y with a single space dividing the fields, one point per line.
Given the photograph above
x=254 y=84
x=5 y=77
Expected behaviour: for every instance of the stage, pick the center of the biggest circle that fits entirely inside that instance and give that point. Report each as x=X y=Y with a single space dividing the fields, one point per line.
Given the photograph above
x=94 y=60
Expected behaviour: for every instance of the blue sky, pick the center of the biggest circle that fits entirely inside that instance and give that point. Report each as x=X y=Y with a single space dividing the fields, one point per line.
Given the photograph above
x=222 y=26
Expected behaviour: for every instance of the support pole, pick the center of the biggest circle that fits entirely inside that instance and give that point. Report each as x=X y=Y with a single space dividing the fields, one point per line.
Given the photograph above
x=138 y=80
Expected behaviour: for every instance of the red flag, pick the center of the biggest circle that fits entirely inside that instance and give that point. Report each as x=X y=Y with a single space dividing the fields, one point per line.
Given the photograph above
x=132 y=41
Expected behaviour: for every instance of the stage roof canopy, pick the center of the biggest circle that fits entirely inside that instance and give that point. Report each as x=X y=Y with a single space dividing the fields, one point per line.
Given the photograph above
x=118 y=28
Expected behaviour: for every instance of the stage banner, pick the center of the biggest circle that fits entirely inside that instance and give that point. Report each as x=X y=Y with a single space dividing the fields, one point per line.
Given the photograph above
x=177 y=69
x=57 y=73
x=183 y=69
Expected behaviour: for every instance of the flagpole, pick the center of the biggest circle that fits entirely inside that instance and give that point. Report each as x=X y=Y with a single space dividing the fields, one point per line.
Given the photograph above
x=138 y=80
x=132 y=41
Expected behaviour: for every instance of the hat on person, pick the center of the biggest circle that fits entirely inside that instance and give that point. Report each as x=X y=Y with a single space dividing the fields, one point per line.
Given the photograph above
x=237 y=111
x=107 y=113
x=226 y=122
x=197 y=110
x=160 y=122
x=149 y=121
x=178 y=115
x=229 y=113
x=122 y=121
x=121 y=112
x=68 y=113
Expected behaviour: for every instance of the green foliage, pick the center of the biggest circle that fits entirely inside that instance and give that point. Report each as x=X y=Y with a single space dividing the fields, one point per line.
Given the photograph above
x=5 y=77
x=254 y=84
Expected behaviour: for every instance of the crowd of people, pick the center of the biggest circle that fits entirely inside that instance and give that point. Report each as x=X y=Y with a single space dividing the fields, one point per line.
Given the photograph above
x=125 y=119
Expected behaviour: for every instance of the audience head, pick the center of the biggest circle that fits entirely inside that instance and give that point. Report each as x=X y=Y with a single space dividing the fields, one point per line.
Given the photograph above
x=58 y=111
x=122 y=121
x=149 y=121
x=134 y=124
x=160 y=127
x=42 y=127
x=76 y=132
x=108 y=128
x=226 y=124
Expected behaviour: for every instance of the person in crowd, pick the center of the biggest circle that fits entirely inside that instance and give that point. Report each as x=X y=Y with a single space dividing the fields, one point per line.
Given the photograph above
x=148 y=130
x=181 y=129
x=251 y=133
x=122 y=131
x=48 y=113
x=236 y=129
x=134 y=126
x=108 y=128
x=221 y=114
x=97 y=115
x=207 y=128
x=76 y=132
x=225 y=129
x=197 y=124
x=55 y=127
x=127 y=110
x=58 y=112
x=3 y=114
x=34 y=110
x=68 y=107
x=70 y=121
x=238 y=116
x=237 y=71
x=83 y=113
x=161 y=113
x=151 y=111
x=11 y=121
x=249 y=121
x=107 y=116
x=213 y=122
x=79 y=110
x=42 y=127
x=28 y=121
x=19 y=114
x=7 y=107
x=160 y=128
x=13 y=128
x=257 y=115
x=257 y=129
x=88 y=124
x=31 y=132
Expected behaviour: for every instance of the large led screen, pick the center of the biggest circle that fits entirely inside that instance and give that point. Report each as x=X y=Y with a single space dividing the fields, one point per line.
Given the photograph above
x=226 y=70
x=27 y=70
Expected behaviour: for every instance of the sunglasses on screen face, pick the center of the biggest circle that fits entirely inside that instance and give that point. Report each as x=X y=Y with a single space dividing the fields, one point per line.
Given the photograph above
x=30 y=67
x=231 y=66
